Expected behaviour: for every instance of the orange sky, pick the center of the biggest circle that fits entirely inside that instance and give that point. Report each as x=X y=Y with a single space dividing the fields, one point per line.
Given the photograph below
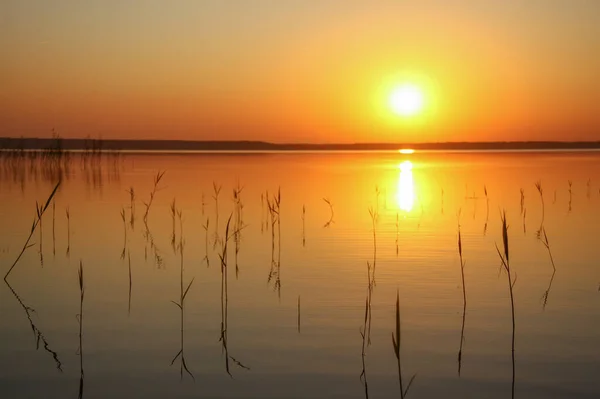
x=297 y=71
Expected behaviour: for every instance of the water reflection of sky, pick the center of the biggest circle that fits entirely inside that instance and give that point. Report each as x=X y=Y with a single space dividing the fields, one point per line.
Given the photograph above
x=405 y=194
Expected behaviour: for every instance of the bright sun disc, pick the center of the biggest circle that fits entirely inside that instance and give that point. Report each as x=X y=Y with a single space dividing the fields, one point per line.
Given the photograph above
x=406 y=100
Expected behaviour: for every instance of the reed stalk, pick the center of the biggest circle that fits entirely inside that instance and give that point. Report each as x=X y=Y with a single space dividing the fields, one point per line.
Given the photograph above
x=80 y=319
x=157 y=179
x=396 y=341
x=303 y=226
x=131 y=192
x=331 y=213
x=505 y=260
x=544 y=240
x=40 y=209
x=181 y=304
x=464 y=290
x=54 y=227
x=68 y=214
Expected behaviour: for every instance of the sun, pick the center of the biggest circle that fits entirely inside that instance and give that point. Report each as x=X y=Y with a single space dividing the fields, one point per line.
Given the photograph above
x=406 y=100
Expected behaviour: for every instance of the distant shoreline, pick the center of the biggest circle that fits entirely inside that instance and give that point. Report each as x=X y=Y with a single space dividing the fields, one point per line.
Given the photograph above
x=257 y=146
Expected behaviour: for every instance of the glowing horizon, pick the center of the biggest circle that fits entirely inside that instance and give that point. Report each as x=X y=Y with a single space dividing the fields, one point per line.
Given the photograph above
x=213 y=70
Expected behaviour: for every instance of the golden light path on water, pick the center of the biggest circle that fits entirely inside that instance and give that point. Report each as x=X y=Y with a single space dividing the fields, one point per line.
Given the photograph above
x=405 y=194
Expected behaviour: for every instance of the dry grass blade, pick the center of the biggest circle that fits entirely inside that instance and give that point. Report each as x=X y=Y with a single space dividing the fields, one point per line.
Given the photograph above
x=37 y=220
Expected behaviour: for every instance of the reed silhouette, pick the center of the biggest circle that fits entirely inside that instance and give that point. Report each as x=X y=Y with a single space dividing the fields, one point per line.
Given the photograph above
x=131 y=192
x=396 y=341
x=303 y=226
x=80 y=320
x=68 y=215
x=487 y=209
x=274 y=206
x=225 y=302
x=570 y=195
x=205 y=226
x=544 y=240
x=130 y=283
x=37 y=222
x=124 y=233
x=331 y=213
x=216 y=192
x=155 y=188
x=365 y=340
x=373 y=215
x=40 y=338
x=540 y=189
x=54 y=227
x=181 y=305
x=522 y=201
x=505 y=260
x=464 y=290
x=238 y=210
x=173 y=215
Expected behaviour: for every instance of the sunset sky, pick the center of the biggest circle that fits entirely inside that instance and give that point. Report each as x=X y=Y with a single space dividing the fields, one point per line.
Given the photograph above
x=300 y=71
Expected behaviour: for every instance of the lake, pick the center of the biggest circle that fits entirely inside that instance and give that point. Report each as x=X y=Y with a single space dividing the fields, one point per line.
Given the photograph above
x=276 y=275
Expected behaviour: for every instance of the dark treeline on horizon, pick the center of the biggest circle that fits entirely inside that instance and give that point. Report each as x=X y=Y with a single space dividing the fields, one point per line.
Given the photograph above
x=183 y=145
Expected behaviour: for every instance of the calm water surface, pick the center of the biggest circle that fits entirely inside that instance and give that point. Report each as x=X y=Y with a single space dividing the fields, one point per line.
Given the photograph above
x=286 y=316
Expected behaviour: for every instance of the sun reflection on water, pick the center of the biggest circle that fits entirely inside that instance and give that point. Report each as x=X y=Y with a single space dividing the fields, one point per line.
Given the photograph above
x=405 y=195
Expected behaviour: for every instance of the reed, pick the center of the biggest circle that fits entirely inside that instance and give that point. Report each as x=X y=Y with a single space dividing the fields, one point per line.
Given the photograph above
x=157 y=179
x=41 y=247
x=464 y=290
x=538 y=186
x=68 y=215
x=225 y=301
x=522 y=201
x=487 y=209
x=303 y=226
x=173 y=215
x=54 y=227
x=181 y=303
x=274 y=206
x=544 y=240
x=570 y=195
x=131 y=192
x=216 y=192
x=505 y=260
x=331 y=213
x=363 y=334
x=373 y=215
x=40 y=338
x=130 y=284
x=239 y=223
x=396 y=341
x=40 y=209
x=205 y=226
x=80 y=319
x=124 y=233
